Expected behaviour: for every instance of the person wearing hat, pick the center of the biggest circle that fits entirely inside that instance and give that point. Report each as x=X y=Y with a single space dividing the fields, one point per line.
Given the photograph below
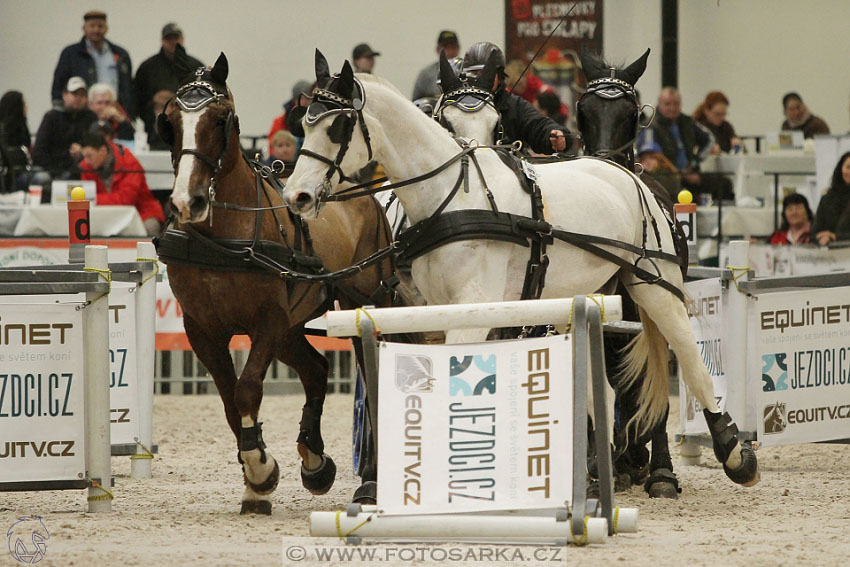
x=363 y=58
x=57 y=142
x=301 y=92
x=426 y=80
x=156 y=74
x=96 y=60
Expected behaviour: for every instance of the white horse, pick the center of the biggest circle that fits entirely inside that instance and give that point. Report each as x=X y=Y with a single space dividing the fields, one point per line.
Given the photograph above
x=354 y=120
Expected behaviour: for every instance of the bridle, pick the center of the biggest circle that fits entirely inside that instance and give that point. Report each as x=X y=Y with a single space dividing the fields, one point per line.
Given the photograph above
x=347 y=112
x=611 y=88
x=468 y=99
x=193 y=97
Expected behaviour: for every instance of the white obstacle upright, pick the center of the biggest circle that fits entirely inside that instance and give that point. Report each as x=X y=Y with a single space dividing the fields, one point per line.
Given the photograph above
x=582 y=521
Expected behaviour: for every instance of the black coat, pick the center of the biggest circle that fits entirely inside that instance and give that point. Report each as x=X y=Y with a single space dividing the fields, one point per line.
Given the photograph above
x=155 y=74
x=75 y=61
x=59 y=129
x=834 y=213
x=521 y=121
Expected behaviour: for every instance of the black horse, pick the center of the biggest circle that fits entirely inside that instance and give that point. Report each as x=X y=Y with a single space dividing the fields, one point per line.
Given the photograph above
x=609 y=118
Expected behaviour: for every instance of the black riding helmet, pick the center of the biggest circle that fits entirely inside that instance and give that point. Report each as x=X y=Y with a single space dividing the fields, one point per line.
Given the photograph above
x=476 y=57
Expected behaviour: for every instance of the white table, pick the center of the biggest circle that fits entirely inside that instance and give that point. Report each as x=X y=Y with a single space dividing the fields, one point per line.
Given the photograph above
x=105 y=220
x=737 y=221
x=158 y=170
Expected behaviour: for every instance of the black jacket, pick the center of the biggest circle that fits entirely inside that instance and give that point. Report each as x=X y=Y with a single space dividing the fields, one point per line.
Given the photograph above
x=695 y=137
x=59 y=129
x=75 y=61
x=521 y=121
x=833 y=213
x=156 y=73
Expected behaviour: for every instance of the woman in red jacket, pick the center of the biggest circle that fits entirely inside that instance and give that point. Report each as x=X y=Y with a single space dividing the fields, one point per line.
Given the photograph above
x=796 y=222
x=120 y=179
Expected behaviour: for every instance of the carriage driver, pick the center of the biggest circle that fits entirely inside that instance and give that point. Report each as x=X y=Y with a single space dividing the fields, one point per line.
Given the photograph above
x=520 y=120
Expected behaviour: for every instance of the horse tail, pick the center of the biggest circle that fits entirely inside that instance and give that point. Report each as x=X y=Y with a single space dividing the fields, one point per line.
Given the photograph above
x=647 y=352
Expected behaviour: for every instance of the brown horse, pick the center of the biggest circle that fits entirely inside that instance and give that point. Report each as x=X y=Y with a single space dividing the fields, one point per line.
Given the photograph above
x=240 y=264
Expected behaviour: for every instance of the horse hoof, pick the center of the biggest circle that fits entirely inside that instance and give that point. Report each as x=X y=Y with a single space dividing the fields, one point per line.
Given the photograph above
x=267 y=486
x=662 y=484
x=748 y=473
x=262 y=507
x=366 y=493
x=319 y=481
x=622 y=482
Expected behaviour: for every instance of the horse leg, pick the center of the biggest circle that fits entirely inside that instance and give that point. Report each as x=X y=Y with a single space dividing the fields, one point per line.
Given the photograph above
x=662 y=312
x=662 y=481
x=261 y=471
x=318 y=470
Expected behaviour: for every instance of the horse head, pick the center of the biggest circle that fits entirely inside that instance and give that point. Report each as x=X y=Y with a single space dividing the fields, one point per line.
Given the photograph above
x=466 y=108
x=335 y=137
x=200 y=125
x=608 y=113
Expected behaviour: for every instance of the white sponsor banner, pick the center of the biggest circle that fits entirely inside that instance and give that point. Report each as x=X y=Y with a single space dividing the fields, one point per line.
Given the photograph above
x=799 y=373
x=475 y=427
x=123 y=376
x=42 y=395
x=706 y=315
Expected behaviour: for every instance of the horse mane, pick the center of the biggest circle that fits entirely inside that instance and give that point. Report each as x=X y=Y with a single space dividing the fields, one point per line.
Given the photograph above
x=368 y=77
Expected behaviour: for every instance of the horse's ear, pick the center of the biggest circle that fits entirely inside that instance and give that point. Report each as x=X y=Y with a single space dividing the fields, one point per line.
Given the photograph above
x=488 y=74
x=220 y=69
x=181 y=64
x=323 y=71
x=448 y=80
x=634 y=71
x=345 y=86
x=591 y=64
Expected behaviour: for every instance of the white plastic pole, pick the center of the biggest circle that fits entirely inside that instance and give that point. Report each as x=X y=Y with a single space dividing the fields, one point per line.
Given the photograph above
x=98 y=441
x=735 y=337
x=145 y=350
x=456 y=527
x=466 y=316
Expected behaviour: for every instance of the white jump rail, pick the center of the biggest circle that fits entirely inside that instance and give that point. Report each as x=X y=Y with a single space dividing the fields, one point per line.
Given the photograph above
x=551 y=526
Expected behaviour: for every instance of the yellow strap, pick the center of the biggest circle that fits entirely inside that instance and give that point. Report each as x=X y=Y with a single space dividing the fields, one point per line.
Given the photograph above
x=616 y=518
x=105 y=274
x=737 y=272
x=352 y=530
x=155 y=268
x=95 y=484
x=357 y=321
x=146 y=455
x=581 y=542
x=599 y=300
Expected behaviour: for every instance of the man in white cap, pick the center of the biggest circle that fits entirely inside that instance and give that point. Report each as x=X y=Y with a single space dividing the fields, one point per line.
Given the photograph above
x=57 y=142
x=156 y=74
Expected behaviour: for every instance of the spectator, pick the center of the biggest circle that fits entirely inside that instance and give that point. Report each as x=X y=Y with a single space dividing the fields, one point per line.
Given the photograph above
x=111 y=117
x=520 y=120
x=57 y=142
x=796 y=222
x=657 y=166
x=156 y=74
x=529 y=86
x=284 y=149
x=832 y=221
x=426 y=80
x=15 y=142
x=685 y=143
x=363 y=58
x=711 y=113
x=120 y=179
x=96 y=60
x=798 y=117
x=550 y=105
x=300 y=97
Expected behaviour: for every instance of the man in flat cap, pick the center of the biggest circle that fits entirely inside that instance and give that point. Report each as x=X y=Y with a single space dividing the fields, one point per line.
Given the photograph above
x=157 y=74
x=426 y=81
x=363 y=58
x=96 y=60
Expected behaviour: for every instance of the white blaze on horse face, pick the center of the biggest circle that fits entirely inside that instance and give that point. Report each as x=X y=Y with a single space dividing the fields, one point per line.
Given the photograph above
x=180 y=196
x=304 y=185
x=479 y=126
